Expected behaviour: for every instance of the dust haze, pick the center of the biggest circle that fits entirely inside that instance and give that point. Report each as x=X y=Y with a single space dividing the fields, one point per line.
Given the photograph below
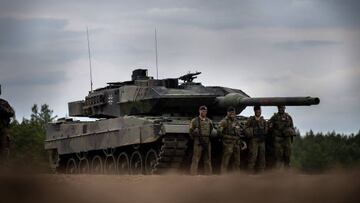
x=279 y=186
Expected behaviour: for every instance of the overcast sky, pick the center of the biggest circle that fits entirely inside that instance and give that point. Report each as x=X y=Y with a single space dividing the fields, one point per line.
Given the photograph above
x=265 y=48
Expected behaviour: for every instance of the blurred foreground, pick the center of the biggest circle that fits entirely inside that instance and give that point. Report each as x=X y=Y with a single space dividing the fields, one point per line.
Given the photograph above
x=277 y=187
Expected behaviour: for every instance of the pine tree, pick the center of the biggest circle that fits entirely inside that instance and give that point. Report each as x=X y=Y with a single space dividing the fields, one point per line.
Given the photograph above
x=27 y=138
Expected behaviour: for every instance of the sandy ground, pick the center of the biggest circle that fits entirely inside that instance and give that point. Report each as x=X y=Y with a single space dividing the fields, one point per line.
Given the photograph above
x=276 y=187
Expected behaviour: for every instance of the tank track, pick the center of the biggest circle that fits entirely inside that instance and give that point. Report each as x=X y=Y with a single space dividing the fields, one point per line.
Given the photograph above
x=172 y=154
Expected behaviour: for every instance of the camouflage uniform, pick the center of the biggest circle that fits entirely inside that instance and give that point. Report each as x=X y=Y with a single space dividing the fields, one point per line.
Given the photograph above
x=229 y=130
x=256 y=133
x=282 y=130
x=6 y=112
x=200 y=130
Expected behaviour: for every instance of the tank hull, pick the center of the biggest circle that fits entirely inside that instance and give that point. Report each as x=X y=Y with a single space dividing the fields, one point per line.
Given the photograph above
x=76 y=137
x=162 y=144
x=150 y=145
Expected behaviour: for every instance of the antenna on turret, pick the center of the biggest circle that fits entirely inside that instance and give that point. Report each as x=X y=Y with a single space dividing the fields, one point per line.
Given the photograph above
x=156 y=56
x=91 y=81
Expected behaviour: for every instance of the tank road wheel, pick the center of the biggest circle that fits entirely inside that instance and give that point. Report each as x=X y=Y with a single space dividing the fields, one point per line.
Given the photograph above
x=123 y=164
x=110 y=165
x=71 y=166
x=150 y=161
x=136 y=163
x=97 y=165
x=84 y=166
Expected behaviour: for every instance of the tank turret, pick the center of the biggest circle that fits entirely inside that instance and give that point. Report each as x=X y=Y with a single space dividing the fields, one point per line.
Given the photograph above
x=144 y=95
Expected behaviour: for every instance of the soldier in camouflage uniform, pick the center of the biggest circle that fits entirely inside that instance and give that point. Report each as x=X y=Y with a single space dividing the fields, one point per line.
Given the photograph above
x=200 y=131
x=256 y=131
x=282 y=130
x=6 y=112
x=229 y=129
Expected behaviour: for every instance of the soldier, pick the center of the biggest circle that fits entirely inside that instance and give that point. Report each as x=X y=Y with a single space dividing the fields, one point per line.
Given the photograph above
x=229 y=129
x=256 y=131
x=6 y=112
x=282 y=130
x=200 y=131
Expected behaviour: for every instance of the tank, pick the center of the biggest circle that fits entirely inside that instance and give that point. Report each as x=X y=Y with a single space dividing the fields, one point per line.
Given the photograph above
x=141 y=125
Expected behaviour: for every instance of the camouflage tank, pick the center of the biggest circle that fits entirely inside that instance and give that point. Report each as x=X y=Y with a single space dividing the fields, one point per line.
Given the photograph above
x=143 y=124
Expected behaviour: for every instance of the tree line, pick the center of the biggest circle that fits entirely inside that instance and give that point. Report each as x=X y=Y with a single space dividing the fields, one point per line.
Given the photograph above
x=27 y=139
x=312 y=152
x=317 y=152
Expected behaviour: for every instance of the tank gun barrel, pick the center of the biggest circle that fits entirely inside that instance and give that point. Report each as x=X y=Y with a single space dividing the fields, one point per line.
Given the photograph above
x=238 y=100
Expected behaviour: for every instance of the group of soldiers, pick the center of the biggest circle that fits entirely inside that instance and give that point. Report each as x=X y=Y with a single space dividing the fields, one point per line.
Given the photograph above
x=277 y=134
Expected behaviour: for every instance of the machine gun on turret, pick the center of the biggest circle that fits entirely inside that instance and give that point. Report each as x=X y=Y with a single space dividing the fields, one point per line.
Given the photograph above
x=188 y=78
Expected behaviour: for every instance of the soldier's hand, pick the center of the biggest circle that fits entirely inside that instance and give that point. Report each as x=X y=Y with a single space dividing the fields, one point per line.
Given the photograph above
x=243 y=145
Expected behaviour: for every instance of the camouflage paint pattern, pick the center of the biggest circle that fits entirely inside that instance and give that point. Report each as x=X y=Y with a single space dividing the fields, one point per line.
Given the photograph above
x=282 y=129
x=229 y=130
x=256 y=143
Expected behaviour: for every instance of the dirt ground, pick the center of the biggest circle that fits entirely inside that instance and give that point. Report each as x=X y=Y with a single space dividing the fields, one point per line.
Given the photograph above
x=277 y=187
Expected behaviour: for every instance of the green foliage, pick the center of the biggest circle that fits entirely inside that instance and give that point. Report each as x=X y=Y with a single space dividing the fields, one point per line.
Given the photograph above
x=42 y=117
x=319 y=152
x=27 y=138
